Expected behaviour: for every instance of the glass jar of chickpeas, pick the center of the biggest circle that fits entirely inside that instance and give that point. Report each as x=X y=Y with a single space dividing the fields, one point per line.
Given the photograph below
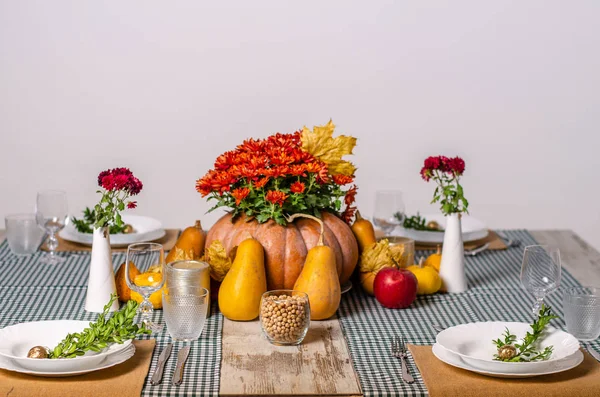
x=284 y=316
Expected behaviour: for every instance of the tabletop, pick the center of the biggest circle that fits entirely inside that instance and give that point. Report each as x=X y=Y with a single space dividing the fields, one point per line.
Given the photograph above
x=323 y=365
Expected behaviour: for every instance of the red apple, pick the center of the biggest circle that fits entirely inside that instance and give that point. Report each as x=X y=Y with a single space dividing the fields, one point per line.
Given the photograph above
x=395 y=289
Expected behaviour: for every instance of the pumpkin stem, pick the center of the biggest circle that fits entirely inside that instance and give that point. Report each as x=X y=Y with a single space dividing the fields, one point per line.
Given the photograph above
x=198 y=225
x=314 y=218
x=439 y=249
x=421 y=261
x=246 y=235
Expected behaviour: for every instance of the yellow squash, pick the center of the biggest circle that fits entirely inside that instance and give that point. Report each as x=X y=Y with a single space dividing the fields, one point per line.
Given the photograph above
x=245 y=282
x=145 y=280
x=434 y=260
x=189 y=245
x=319 y=278
x=123 y=291
x=429 y=281
x=363 y=231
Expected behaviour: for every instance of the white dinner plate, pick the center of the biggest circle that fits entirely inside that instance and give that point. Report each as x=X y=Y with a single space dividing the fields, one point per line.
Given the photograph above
x=473 y=343
x=17 y=339
x=472 y=229
x=110 y=361
x=146 y=229
x=456 y=361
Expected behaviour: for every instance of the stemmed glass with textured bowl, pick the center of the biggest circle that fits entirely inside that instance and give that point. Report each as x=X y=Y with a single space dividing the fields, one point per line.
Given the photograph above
x=51 y=215
x=149 y=259
x=540 y=272
x=389 y=210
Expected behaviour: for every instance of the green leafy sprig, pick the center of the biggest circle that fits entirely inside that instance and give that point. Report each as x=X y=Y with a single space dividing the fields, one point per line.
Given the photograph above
x=100 y=334
x=527 y=350
x=449 y=193
x=85 y=224
x=416 y=222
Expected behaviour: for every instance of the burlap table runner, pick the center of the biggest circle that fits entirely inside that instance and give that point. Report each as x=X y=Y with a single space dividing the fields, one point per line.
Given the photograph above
x=445 y=380
x=496 y=243
x=125 y=379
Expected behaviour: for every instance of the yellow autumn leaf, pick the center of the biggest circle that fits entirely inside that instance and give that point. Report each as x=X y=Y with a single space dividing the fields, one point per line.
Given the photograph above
x=217 y=258
x=320 y=143
x=380 y=255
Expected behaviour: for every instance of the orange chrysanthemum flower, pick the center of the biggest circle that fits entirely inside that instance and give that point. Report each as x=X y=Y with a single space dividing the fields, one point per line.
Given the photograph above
x=342 y=179
x=297 y=187
x=348 y=214
x=314 y=167
x=276 y=197
x=261 y=182
x=323 y=175
x=239 y=194
x=298 y=170
x=251 y=146
x=350 y=196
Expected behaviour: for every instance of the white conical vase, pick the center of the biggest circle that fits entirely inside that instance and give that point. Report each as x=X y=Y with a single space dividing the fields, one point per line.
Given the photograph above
x=101 y=282
x=452 y=267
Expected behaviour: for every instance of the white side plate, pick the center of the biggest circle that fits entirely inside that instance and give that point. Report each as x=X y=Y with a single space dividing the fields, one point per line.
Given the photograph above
x=146 y=229
x=16 y=340
x=473 y=343
x=110 y=361
x=472 y=229
x=560 y=365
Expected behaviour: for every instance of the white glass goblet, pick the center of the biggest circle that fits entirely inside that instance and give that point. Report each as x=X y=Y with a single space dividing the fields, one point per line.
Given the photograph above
x=540 y=272
x=51 y=215
x=146 y=257
x=389 y=210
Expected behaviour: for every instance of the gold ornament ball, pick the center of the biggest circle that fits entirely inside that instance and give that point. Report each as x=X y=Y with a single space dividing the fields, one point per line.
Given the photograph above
x=38 y=352
x=507 y=352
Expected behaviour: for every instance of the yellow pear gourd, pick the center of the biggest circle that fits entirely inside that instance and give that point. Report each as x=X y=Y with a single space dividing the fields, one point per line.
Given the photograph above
x=245 y=282
x=363 y=231
x=429 y=281
x=434 y=260
x=319 y=278
x=189 y=245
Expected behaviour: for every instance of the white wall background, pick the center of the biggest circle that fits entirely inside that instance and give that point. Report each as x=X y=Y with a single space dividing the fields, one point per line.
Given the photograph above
x=165 y=87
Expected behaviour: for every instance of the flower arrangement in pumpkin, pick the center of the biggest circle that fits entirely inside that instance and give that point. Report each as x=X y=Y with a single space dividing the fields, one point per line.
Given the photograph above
x=283 y=174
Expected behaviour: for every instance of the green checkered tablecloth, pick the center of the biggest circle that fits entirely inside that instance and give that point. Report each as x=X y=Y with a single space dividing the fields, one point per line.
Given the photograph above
x=30 y=291
x=494 y=294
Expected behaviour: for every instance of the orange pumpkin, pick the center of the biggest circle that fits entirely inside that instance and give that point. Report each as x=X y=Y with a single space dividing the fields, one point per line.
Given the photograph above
x=286 y=246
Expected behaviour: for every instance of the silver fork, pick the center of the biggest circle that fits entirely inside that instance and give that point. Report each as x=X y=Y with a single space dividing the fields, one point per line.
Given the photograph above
x=508 y=241
x=399 y=351
x=477 y=250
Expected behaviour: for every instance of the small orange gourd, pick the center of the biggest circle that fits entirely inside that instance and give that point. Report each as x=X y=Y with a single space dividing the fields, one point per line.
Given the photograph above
x=189 y=245
x=363 y=231
x=319 y=278
x=434 y=260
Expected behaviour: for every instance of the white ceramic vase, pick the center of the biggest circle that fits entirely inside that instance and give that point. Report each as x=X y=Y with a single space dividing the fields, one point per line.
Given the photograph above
x=452 y=267
x=101 y=282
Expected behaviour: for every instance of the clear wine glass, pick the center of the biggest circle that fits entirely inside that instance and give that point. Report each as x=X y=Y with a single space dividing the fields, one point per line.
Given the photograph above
x=51 y=215
x=147 y=257
x=389 y=210
x=540 y=272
